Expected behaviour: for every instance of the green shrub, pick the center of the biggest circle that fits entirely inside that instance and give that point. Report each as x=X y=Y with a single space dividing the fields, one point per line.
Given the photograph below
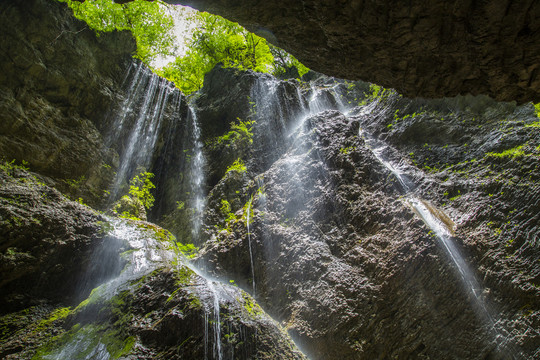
x=237 y=166
x=139 y=188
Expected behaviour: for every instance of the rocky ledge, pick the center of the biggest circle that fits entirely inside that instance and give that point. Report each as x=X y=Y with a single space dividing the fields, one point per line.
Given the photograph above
x=428 y=49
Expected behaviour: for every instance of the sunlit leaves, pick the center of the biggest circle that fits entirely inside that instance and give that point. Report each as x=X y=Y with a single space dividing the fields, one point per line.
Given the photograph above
x=217 y=40
x=147 y=20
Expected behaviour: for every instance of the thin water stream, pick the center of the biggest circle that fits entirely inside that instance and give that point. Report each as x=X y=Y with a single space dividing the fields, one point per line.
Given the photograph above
x=249 y=244
x=443 y=227
x=197 y=174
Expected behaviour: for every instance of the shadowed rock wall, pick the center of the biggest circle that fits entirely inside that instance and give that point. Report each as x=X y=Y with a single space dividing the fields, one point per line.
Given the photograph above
x=420 y=48
x=57 y=82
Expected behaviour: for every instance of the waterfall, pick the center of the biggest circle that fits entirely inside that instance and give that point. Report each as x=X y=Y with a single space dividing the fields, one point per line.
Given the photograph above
x=249 y=244
x=138 y=119
x=197 y=174
x=139 y=254
x=442 y=227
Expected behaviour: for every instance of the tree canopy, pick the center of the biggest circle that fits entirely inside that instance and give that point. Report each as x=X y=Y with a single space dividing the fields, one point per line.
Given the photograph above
x=217 y=40
x=148 y=21
x=214 y=40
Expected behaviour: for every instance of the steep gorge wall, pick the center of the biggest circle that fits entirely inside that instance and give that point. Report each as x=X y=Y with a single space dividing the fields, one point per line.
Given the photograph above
x=321 y=233
x=420 y=48
x=70 y=284
x=336 y=253
x=58 y=81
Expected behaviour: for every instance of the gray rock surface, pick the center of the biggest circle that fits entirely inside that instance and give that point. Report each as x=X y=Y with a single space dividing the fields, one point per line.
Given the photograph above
x=57 y=82
x=46 y=242
x=335 y=252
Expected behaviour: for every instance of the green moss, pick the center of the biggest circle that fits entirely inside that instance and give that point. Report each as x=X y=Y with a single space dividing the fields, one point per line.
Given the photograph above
x=184 y=276
x=252 y=308
x=87 y=339
x=225 y=210
x=510 y=153
x=57 y=314
x=158 y=233
x=195 y=302
x=347 y=150
x=12 y=321
x=94 y=298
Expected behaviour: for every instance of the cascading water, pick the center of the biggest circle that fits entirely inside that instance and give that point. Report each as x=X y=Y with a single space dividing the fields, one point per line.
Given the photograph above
x=197 y=174
x=442 y=226
x=320 y=98
x=216 y=324
x=139 y=120
x=141 y=252
x=249 y=244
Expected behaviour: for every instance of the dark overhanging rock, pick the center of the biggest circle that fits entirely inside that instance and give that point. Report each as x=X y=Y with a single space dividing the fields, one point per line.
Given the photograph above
x=422 y=49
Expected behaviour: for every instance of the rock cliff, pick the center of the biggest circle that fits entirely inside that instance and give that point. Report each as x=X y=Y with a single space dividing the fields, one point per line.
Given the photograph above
x=361 y=223
x=57 y=83
x=427 y=49
x=332 y=245
x=76 y=283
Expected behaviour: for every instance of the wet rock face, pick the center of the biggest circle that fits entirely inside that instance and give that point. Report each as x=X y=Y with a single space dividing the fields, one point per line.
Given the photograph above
x=486 y=178
x=430 y=49
x=46 y=242
x=174 y=317
x=56 y=85
x=340 y=260
x=336 y=253
x=168 y=314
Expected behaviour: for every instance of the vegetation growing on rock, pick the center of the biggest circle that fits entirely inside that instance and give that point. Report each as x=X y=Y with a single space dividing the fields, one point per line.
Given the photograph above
x=218 y=40
x=148 y=21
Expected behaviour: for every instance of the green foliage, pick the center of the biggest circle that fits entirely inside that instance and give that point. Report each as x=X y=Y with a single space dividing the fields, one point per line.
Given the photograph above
x=537 y=109
x=237 y=166
x=75 y=183
x=188 y=250
x=217 y=40
x=225 y=210
x=240 y=135
x=133 y=206
x=19 y=173
x=9 y=167
x=148 y=21
x=284 y=62
x=248 y=210
x=140 y=186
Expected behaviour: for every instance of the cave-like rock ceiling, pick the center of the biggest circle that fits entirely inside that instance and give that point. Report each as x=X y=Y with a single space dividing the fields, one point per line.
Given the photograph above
x=422 y=48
